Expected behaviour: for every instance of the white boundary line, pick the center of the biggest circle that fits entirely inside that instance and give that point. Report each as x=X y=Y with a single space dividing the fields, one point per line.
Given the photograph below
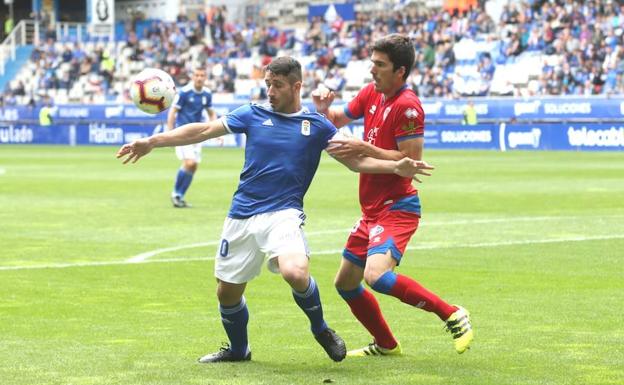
x=324 y=252
x=148 y=254
x=433 y=246
x=103 y=263
x=144 y=256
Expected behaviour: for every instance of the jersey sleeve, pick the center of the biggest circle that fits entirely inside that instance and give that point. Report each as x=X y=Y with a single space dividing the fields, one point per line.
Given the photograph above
x=238 y=121
x=208 y=100
x=329 y=132
x=342 y=133
x=179 y=100
x=409 y=122
x=356 y=107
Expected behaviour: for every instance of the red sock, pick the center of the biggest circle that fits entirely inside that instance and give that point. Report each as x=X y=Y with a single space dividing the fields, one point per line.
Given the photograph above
x=412 y=293
x=366 y=309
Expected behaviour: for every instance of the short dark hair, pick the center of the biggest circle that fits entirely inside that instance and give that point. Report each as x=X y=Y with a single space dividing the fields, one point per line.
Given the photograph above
x=400 y=51
x=286 y=66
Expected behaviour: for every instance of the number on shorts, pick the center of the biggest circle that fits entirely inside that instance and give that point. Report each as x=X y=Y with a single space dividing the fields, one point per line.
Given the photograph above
x=223 y=250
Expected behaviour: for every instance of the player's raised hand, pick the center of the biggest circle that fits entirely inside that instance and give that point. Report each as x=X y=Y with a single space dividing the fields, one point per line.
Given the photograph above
x=134 y=150
x=322 y=97
x=409 y=168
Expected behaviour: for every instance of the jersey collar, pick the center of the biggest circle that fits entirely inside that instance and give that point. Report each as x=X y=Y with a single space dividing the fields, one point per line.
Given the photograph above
x=399 y=91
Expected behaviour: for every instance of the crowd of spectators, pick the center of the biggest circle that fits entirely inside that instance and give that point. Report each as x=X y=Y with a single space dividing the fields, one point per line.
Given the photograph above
x=581 y=42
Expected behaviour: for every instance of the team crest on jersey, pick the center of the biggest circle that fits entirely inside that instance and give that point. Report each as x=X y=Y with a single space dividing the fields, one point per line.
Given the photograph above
x=411 y=113
x=372 y=109
x=375 y=231
x=386 y=112
x=305 y=128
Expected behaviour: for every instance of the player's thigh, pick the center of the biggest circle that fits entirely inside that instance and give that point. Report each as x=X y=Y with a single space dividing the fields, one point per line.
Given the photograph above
x=281 y=234
x=238 y=259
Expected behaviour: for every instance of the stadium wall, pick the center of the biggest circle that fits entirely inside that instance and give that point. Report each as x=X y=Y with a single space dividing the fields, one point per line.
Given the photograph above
x=542 y=124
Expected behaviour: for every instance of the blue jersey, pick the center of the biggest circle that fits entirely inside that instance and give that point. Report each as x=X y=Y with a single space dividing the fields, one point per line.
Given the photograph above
x=282 y=154
x=190 y=104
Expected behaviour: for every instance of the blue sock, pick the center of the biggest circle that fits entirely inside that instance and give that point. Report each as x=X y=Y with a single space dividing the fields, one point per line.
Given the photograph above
x=234 y=319
x=310 y=302
x=351 y=294
x=186 y=182
x=177 y=187
x=385 y=283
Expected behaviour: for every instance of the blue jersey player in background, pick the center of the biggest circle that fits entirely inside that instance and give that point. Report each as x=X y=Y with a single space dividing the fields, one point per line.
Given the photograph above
x=283 y=149
x=188 y=107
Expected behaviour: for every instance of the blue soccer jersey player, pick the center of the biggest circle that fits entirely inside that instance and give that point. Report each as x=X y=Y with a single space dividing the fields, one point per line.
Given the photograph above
x=283 y=149
x=188 y=107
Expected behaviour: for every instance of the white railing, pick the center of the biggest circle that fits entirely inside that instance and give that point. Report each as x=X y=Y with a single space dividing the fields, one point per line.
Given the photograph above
x=28 y=32
x=25 y=32
x=63 y=31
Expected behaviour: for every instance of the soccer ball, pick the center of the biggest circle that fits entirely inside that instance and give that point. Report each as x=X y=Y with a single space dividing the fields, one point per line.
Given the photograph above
x=152 y=90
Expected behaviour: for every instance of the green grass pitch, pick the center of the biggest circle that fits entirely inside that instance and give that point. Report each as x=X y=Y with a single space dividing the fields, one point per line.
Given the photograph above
x=532 y=243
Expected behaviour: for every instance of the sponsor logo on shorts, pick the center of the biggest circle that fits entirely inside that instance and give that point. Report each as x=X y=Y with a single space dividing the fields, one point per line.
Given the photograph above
x=376 y=231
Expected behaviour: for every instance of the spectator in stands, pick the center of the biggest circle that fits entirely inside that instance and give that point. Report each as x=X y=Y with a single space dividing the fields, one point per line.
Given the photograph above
x=46 y=112
x=107 y=68
x=572 y=32
x=8 y=25
x=258 y=92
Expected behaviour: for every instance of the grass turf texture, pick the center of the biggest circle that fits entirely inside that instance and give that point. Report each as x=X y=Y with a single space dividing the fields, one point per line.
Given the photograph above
x=532 y=243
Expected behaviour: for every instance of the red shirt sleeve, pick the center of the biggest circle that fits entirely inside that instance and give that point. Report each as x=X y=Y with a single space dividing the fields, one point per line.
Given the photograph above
x=409 y=120
x=356 y=107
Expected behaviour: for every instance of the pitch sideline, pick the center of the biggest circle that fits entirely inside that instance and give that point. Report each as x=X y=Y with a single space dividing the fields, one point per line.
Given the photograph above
x=148 y=254
x=324 y=252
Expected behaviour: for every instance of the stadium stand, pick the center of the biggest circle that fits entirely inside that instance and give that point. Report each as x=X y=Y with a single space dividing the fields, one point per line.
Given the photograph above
x=563 y=47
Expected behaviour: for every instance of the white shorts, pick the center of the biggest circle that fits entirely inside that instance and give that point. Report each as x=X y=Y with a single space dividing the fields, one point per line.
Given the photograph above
x=190 y=152
x=245 y=243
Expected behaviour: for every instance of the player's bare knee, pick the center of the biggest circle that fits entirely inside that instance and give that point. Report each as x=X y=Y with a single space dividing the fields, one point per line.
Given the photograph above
x=371 y=276
x=296 y=276
x=339 y=282
x=228 y=294
x=342 y=282
x=190 y=166
x=227 y=297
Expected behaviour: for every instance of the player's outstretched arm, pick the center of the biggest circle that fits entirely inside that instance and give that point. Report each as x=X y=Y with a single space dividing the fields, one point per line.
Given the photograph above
x=183 y=135
x=406 y=167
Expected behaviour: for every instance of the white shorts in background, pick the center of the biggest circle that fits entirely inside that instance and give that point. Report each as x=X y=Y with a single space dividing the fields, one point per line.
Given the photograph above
x=245 y=243
x=191 y=151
